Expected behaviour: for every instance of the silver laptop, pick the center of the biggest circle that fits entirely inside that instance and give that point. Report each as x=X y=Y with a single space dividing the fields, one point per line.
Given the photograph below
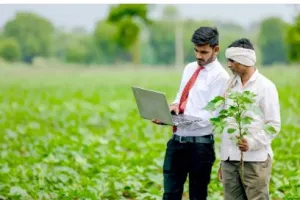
x=153 y=105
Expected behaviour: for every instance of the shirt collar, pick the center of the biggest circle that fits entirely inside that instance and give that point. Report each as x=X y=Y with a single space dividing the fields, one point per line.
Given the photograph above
x=211 y=65
x=237 y=79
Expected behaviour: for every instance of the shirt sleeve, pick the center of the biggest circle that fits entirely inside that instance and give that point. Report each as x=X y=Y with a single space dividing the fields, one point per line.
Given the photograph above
x=271 y=111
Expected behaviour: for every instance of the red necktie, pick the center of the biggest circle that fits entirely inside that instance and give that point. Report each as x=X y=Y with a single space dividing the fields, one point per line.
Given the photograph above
x=185 y=93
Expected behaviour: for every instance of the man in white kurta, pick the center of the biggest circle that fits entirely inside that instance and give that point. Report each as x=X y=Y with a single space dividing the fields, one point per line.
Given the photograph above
x=256 y=145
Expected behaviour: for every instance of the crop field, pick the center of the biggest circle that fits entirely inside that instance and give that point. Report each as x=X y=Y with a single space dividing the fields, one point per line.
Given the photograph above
x=76 y=134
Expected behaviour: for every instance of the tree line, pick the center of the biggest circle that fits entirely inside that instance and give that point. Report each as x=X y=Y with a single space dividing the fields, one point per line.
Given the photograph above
x=127 y=35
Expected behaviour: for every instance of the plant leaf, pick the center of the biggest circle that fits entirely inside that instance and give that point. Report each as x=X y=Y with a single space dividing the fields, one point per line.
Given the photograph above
x=210 y=106
x=215 y=103
x=232 y=110
x=233 y=95
x=231 y=130
x=244 y=133
x=246 y=120
x=218 y=129
x=215 y=119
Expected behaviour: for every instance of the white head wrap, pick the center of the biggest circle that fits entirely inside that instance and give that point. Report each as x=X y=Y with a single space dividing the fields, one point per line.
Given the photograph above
x=244 y=56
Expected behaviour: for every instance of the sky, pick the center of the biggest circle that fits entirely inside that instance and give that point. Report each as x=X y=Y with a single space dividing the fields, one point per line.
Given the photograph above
x=69 y=16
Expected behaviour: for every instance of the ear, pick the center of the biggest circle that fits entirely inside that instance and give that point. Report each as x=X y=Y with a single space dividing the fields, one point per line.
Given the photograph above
x=216 y=49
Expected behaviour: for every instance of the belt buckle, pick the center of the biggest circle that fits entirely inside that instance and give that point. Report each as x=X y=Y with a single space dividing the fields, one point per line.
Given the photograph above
x=180 y=140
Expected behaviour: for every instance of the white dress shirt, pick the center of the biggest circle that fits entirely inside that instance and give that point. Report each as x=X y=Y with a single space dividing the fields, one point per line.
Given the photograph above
x=209 y=84
x=259 y=141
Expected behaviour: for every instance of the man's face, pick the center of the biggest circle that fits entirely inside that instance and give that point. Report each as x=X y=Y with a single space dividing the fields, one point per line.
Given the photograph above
x=205 y=54
x=236 y=67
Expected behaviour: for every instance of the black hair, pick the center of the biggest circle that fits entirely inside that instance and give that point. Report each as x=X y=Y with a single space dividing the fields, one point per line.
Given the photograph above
x=243 y=43
x=206 y=35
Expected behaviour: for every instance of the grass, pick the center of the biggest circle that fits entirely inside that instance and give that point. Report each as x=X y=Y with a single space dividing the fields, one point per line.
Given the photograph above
x=76 y=134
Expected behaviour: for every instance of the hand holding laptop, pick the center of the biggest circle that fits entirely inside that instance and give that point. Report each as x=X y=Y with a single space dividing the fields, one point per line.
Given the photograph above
x=174 y=108
x=156 y=121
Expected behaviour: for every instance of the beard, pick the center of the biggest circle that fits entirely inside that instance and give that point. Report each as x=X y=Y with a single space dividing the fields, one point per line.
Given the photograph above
x=205 y=62
x=201 y=62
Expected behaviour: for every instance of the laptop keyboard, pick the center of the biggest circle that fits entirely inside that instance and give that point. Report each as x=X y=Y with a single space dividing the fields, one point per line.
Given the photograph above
x=177 y=119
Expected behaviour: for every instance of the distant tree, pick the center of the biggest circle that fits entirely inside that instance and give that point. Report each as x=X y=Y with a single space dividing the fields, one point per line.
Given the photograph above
x=94 y=55
x=65 y=44
x=162 y=42
x=148 y=54
x=76 y=53
x=81 y=38
x=271 y=41
x=127 y=18
x=9 y=49
x=81 y=48
x=171 y=15
x=33 y=34
x=106 y=40
x=293 y=40
x=60 y=42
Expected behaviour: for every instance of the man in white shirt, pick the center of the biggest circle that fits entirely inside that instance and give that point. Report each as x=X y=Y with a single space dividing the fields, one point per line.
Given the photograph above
x=256 y=145
x=190 y=151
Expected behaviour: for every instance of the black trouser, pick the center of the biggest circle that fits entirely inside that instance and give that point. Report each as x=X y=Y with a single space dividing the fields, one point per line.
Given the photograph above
x=181 y=159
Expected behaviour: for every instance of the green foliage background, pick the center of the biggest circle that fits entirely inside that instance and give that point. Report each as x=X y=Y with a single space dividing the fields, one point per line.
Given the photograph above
x=129 y=35
x=76 y=134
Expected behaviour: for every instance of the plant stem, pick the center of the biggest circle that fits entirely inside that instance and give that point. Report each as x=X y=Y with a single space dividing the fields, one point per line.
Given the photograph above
x=241 y=136
x=242 y=167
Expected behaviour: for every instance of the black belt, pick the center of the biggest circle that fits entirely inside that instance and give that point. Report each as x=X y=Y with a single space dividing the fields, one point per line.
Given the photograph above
x=207 y=139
